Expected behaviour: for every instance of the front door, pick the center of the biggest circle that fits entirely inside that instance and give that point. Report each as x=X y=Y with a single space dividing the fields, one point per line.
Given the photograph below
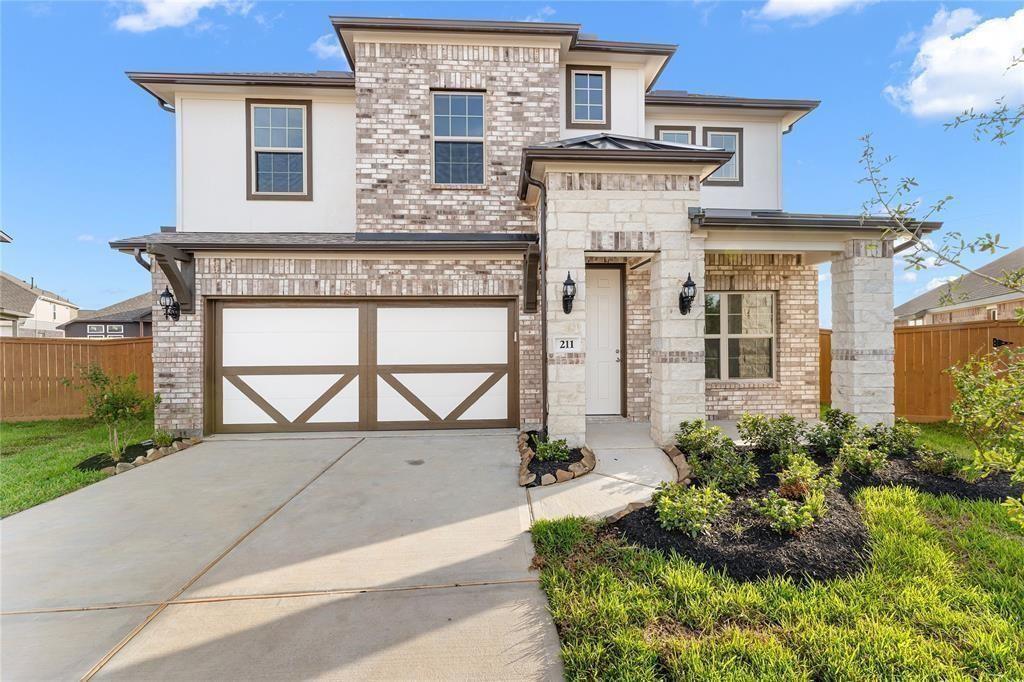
x=604 y=340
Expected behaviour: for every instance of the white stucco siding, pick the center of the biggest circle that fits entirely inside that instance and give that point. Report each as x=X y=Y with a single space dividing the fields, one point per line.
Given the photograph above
x=627 y=101
x=212 y=168
x=762 y=161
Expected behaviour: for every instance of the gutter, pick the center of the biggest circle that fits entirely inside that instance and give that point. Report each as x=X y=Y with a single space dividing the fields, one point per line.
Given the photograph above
x=543 y=201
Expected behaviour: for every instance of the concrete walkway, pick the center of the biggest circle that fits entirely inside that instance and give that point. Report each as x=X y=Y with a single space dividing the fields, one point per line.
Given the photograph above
x=391 y=557
x=629 y=468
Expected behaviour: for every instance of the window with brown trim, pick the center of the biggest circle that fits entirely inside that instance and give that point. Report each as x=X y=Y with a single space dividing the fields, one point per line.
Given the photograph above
x=279 y=136
x=731 y=140
x=739 y=335
x=588 y=95
x=678 y=134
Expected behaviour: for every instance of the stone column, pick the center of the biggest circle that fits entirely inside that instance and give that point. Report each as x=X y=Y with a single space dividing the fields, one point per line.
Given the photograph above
x=863 y=347
x=567 y=401
x=677 y=342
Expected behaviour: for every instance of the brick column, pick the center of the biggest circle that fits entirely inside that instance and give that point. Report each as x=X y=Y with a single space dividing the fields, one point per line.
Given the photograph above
x=567 y=396
x=862 y=331
x=677 y=342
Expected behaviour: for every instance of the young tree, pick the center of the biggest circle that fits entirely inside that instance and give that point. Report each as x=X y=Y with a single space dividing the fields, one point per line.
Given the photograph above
x=117 y=403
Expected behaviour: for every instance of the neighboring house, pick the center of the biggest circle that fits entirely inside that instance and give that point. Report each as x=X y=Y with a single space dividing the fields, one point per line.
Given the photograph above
x=968 y=298
x=390 y=248
x=130 y=318
x=27 y=310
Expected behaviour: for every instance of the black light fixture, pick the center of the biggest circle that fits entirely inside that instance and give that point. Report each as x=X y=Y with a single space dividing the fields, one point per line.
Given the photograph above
x=172 y=311
x=568 y=293
x=687 y=294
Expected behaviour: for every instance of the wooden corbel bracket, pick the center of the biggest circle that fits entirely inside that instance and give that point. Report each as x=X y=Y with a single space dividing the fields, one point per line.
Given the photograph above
x=180 y=270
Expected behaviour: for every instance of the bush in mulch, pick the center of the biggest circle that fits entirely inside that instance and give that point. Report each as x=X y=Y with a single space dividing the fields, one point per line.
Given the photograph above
x=550 y=466
x=995 y=488
x=104 y=460
x=741 y=543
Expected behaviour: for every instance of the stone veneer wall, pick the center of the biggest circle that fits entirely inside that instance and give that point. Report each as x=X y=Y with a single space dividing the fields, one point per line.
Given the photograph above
x=394 y=180
x=795 y=387
x=178 y=346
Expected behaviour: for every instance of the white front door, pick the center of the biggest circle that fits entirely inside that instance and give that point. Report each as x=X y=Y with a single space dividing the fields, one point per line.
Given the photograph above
x=604 y=341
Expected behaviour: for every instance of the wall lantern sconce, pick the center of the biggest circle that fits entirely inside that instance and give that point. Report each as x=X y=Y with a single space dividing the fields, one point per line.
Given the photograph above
x=568 y=293
x=687 y=294
x=172 y=311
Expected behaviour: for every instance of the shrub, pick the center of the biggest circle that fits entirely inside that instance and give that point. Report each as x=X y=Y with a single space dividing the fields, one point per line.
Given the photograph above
x=162 y=438
x=897 y=441
x=689 y=509
x=789 y=517
x=550 y=450
x=945 y=463
x=858 y=456
x=799 y=477
x=117 y=403
x=729 y=469
x=780 y=435
x=826 y=438
x=696 y=437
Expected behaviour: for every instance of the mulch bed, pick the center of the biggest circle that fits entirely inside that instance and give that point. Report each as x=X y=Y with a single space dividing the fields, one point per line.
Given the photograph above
x=550 y=467
x=833 y=547
x=104 y=460
x=996 y=487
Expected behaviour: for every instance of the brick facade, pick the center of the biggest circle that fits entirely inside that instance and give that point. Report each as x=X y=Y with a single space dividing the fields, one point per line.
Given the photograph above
x=795 y=388
x=394 y=181
x=178 y=346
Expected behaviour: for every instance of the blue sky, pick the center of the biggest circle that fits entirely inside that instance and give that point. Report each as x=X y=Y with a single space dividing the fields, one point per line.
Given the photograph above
x=87 y=156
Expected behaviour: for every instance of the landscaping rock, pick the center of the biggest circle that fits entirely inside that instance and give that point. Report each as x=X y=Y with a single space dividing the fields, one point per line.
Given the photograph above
x=578 y=468
x=547 y=479
x=140 y=460
x=110 y=471
x=151 y=451
x=193 y=441
x=123 y=467
x=562 y=475
x=175 y=446
x=156 y=454
x=588 y=458
x=526 y=478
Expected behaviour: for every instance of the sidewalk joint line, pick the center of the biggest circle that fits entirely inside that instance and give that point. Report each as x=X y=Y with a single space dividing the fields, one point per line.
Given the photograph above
x=626 y=480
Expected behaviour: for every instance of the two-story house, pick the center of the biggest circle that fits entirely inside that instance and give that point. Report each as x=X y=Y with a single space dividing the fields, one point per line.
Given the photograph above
x=496 y=224
x=30 y=311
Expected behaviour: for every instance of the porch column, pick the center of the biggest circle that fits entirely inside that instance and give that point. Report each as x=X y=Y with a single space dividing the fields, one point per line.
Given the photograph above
x=677 y=342
x=567 y=403
x=863 y=348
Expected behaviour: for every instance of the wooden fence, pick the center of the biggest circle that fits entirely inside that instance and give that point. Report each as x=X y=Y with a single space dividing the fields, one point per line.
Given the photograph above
x=924 y=391
x=32 y=370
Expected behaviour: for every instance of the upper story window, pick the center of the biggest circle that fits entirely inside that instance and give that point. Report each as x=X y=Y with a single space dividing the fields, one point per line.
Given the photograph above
x=588 y=101
x=279 y=149
x=739 y=335
x=458 y=138
x=678 y=134
x=731 y=140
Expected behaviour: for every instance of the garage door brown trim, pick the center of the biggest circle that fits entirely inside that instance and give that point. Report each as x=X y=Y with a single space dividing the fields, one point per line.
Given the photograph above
x=367 y=369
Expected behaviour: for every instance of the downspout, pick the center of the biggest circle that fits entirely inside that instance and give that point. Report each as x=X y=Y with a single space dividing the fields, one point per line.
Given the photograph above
x=543 y=202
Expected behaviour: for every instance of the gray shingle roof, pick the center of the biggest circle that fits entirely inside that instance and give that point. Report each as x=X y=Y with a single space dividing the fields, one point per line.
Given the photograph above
x=969 y=287
x=130 y=310
x=18 y=296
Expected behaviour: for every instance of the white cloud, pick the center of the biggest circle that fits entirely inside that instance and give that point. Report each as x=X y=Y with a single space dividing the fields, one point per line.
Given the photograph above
x=962 y=63
x=908 y=276
x=540 y=15
x=149 y=15
x=86 y=238
x=936 y=282
x=808 y=11
x=326 y=47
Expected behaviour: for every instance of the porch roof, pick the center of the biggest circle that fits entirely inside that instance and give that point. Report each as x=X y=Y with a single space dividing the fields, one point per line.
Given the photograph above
x=744 y=219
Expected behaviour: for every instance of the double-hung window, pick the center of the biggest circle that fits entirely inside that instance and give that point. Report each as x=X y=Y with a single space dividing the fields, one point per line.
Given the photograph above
x=458 y=138
x=731 y=140
x=739 y=335
x=589 y=91
x=279 y=149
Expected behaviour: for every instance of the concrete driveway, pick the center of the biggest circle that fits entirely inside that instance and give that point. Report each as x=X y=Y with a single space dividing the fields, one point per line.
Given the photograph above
x=388 y=557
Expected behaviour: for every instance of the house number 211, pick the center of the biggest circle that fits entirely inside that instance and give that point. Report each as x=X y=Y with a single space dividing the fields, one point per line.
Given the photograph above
x=566 y=344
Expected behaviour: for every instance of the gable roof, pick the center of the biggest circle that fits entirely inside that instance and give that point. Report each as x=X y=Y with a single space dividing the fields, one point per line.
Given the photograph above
x=18 y=296
x=132 y=309
x=966 y=288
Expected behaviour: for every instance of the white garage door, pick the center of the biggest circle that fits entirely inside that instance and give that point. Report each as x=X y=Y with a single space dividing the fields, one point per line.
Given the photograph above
x=303 y=366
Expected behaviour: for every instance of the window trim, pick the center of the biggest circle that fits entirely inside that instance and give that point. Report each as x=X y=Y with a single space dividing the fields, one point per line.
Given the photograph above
x=570 y=94
x=658 y=130
x=738 y=182
x=115 y=329
x=250 y=165
x=94 y=329
x=723 y=337
x=448 y=138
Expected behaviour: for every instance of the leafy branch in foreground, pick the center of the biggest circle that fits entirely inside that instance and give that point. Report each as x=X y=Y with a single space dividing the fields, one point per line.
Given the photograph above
x=997 y=124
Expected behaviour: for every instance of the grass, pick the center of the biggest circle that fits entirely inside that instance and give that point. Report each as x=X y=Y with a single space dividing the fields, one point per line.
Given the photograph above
x=942 y=597
x=945 y=436
x=37 y=460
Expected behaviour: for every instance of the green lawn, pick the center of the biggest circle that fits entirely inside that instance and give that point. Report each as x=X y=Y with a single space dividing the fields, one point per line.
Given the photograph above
x=37 y=460
x=942 y=597
x=945 y=436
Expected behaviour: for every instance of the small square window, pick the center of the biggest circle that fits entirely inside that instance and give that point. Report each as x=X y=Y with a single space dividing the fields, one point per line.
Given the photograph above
x=587 y=96
x=676 y=134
